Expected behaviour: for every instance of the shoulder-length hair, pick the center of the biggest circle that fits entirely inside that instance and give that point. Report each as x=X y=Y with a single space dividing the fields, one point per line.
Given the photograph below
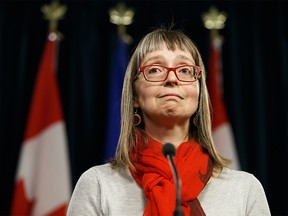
x=202 y=133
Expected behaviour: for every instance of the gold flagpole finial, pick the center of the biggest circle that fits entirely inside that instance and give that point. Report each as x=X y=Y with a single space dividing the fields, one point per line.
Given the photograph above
x=214 y=20
x=122 y=17
x=53 y=12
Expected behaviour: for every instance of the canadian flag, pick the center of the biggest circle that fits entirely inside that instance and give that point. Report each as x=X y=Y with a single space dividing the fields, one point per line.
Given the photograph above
x=43 y=184
x=221 y=128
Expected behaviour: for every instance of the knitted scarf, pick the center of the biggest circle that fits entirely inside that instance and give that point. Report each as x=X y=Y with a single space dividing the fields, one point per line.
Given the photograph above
x=154 y=175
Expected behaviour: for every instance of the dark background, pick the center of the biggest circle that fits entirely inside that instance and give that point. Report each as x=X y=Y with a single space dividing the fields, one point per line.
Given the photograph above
x=255 y=77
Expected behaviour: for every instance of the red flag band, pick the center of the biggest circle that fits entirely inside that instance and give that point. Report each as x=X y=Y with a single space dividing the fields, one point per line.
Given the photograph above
x=222 y=131
x=43 y=184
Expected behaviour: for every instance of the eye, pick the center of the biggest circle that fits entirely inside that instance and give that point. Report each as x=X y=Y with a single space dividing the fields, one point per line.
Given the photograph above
x=154 y=69
x=186 y=70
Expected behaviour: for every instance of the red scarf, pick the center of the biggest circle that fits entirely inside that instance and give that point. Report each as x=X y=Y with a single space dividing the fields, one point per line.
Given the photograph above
x=155 y=177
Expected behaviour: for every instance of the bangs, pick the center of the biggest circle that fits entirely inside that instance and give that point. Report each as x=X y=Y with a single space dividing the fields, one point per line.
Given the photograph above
x=171 y=39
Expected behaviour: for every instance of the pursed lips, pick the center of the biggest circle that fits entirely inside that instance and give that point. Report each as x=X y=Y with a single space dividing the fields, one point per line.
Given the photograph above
x=171 y=95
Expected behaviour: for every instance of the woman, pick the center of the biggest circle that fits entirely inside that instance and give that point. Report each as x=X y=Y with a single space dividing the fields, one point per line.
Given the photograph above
x=165 y=100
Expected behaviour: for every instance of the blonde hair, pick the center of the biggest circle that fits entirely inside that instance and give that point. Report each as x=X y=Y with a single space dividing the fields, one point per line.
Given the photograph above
x=202 y=133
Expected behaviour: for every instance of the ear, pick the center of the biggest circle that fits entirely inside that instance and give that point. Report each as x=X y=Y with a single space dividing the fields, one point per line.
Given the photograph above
x=135 y=102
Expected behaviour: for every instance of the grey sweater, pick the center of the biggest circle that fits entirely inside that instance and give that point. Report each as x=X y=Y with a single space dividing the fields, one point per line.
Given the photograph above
x=105 y=191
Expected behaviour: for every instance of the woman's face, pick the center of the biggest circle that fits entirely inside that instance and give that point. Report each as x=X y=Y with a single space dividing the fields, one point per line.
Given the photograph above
x=169 y=101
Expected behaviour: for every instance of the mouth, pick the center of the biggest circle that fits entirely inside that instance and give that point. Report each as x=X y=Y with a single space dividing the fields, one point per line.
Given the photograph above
x=171 y=95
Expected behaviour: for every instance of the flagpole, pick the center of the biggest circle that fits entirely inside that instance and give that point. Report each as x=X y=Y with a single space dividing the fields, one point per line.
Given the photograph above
x=122 y=16
x=214 y=20
x=221 y=127
x=54 y=12
x=44 y=160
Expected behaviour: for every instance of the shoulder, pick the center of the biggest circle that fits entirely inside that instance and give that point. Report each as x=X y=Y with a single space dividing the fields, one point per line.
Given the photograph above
x=239 y=177
x=98 y=170
x=103 y=190
x=236 y=192
x=95 y=187
x=85 y=198
x=236 y=174
x=104 y=173
x=105 y=177
x=90 y=179
x=250 y=188
x=245 y=183
x=95 y=172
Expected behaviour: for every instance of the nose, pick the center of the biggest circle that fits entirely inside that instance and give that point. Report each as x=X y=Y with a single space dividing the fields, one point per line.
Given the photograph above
x=171 y=78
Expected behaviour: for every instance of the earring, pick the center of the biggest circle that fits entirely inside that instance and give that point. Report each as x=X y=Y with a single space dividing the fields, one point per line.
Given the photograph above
x=136 y=118
x=196 y=119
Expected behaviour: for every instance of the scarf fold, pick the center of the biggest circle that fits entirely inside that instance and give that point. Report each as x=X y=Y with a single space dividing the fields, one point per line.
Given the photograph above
x=155 y=177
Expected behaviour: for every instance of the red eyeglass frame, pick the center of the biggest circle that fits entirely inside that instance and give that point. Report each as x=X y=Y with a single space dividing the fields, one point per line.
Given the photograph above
x=141 y=69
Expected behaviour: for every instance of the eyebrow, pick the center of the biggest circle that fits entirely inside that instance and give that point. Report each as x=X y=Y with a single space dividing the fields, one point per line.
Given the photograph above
x=161 y=57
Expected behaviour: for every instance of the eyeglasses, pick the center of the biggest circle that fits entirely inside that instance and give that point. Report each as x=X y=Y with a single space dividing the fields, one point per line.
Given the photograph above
x=158 y=73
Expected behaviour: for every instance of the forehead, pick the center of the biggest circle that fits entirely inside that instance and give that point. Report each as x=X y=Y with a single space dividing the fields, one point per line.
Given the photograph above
x=159 y=46
x=164 y=53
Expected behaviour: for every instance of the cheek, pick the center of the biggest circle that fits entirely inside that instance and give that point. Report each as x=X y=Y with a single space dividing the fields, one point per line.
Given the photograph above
x=145 y=98
x=193 y=95
x=144 y=92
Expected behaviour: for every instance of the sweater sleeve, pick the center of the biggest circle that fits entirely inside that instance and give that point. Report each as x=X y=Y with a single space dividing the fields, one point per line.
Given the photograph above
x=85 y=199
x=257 y=203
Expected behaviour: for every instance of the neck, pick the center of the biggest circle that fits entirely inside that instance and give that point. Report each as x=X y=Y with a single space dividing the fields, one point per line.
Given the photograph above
x=174 y=134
